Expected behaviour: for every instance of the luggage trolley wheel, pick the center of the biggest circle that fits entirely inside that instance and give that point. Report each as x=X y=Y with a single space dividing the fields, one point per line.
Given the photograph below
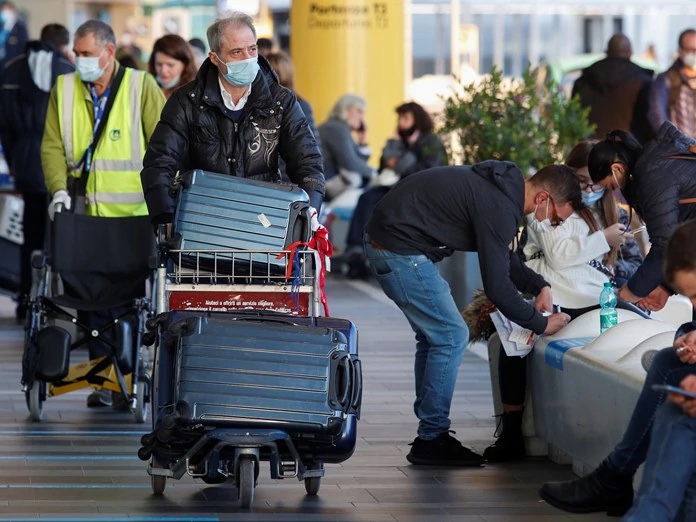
x=142 y=405
x=158 y=482
x=35 y=399
x=246 y=479
x=312 y=484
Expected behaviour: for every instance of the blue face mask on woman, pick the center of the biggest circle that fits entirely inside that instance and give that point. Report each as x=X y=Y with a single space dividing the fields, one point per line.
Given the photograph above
x=170 y=84
x=590 y=198
x=241 y=73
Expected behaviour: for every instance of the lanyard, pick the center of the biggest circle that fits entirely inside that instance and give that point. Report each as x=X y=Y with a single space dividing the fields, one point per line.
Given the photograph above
x=99 y=105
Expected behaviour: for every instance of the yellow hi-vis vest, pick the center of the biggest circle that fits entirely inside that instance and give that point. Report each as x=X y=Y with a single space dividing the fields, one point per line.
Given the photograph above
x=113 y=187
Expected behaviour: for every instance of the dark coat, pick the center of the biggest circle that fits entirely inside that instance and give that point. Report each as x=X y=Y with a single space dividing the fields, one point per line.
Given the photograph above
x=15 y=44
x=616 y=91
x=427 y=152
x=654 y=190
x=196 y=131
x=23 y=106
x=475 y=208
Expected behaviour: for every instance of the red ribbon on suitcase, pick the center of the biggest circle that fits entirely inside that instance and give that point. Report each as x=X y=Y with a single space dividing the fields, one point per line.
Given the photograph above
x=319 y=242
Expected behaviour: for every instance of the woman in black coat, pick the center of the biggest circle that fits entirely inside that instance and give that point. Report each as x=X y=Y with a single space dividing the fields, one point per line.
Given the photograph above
x=659 y=182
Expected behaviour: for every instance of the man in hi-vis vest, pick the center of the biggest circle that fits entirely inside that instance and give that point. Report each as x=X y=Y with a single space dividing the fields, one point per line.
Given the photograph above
x=76 y=108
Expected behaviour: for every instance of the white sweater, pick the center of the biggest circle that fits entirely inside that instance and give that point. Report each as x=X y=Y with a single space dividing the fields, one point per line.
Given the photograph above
x=567 y=249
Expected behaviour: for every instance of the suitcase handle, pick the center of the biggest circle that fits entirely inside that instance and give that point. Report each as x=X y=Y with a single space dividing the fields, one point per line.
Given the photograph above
x=302 y=226
x=340 y=389
x=356 y=399
x=267 y=319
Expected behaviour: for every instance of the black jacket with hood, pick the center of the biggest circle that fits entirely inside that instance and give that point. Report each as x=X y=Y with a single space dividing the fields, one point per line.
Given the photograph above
x=654 y=190
x=475 y=208
x=24 y=93
x=616 y=91
x=195 y=132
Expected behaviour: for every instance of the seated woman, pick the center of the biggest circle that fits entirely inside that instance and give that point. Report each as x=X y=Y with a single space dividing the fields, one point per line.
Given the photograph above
x=345 y=161
x=576 y=258
x=414 y=148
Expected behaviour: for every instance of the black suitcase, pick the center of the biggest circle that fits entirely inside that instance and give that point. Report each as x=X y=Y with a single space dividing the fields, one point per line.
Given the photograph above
x=222 y=212
x=263 y=372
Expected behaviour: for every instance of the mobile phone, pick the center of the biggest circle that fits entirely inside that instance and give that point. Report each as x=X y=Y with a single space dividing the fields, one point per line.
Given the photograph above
x=673 y=389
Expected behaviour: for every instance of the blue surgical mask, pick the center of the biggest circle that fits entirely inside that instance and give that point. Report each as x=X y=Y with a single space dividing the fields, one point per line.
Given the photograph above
x=88 y=68
x=169 y=85
x=590 y=198
x=241 y=73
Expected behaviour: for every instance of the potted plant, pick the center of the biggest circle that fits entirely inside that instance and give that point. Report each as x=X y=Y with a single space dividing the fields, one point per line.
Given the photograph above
x=522 y=120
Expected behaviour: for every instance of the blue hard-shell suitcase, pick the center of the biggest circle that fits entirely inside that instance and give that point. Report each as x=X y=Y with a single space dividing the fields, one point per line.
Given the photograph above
x=263 y=372
x=222 y=212
x=322 y=445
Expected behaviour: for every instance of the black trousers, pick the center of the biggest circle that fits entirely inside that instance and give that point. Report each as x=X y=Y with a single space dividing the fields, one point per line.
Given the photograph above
x=94 y=320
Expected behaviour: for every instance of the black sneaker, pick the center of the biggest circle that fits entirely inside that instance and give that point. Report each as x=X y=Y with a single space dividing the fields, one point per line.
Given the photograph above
x=443 y=450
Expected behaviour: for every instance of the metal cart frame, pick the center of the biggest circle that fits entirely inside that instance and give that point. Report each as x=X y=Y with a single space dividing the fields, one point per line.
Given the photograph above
x=223 y=280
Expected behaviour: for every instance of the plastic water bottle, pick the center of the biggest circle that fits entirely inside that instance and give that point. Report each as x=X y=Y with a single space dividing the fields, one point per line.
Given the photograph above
x=608 y=316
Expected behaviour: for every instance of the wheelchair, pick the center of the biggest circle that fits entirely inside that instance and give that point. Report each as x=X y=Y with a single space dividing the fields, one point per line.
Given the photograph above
x=90 y=265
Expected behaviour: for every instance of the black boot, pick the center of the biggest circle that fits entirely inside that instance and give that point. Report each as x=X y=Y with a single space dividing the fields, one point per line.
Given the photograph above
x=602 y=490
x=510 y=443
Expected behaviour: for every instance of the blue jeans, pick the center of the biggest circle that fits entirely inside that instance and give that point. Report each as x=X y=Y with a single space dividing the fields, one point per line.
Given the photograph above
x=669 y=468
x=415 y=285
x=630 y=453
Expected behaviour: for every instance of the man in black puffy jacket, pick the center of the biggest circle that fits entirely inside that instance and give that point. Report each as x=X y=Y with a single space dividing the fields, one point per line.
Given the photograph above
x=234 y=118
x=25 y=88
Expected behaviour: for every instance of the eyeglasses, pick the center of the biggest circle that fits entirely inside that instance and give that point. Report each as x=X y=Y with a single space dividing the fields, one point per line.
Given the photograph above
x=584 y=185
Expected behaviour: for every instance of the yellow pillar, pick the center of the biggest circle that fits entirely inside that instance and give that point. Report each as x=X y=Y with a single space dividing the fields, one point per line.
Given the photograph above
x=351 y=46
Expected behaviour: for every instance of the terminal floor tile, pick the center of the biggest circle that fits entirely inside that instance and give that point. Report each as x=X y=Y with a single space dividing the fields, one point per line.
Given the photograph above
x=81 y=464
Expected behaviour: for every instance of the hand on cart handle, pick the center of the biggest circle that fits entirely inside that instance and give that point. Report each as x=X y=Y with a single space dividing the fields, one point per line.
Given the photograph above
x=314 y=220
x=61 y=197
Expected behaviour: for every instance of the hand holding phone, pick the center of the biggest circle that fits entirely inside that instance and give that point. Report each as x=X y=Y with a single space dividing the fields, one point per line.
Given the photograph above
x=674 y=389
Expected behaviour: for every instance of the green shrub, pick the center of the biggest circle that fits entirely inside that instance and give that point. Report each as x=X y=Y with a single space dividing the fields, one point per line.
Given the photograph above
x=520 y=120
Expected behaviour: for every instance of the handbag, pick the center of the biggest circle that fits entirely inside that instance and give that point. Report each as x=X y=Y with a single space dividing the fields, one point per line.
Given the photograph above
x=77 y=187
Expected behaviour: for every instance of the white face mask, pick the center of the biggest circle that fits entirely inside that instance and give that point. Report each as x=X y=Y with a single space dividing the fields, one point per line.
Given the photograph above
x=88 y=68
x=539 y=226
x=8 y=19
x=689 y=60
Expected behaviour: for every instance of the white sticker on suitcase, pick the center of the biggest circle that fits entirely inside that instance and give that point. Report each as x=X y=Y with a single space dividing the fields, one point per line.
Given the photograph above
x=264 y=220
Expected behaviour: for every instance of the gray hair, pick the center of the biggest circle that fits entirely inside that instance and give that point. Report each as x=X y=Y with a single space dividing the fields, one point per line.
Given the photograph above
x=344 y=104
x=102 y=32
x=217 y=28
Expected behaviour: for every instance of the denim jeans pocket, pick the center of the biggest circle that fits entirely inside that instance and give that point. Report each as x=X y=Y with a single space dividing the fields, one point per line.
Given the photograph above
x=390 y=282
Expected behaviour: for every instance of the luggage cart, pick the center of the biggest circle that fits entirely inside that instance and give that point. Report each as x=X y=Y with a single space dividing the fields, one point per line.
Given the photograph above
x=235 y=282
